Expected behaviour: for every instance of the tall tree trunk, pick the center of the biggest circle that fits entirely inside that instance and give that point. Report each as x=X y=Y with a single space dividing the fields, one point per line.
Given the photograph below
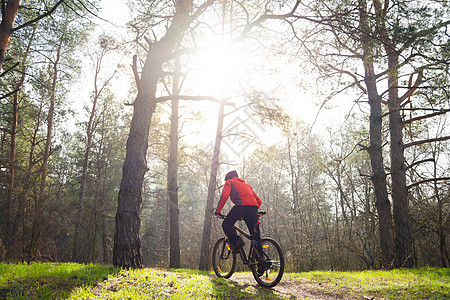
x=105 y=258
x=102 y=171
x=441 y=228
x=166 y=233
x=89 y=135
x=11 y=225
x=172 y=170
x=298 y=231
x=375 y=150
x=22 y=198
x=382 y=203
x=98 y=89
x=12 y=166
x=127 y=243
x=209 y=210
x=399 y=190
x=402 y=229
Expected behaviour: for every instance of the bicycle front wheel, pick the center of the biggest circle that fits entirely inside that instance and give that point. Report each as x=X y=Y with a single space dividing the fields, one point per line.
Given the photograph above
x=270 y=264
x=223 y=259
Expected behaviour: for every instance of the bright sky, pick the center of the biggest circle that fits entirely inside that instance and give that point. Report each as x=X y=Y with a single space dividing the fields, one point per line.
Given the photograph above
x=115 y=11
x=237 y=67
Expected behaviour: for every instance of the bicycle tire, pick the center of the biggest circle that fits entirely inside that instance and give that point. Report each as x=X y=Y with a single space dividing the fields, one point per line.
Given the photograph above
x=223 y=259
x=272 y=264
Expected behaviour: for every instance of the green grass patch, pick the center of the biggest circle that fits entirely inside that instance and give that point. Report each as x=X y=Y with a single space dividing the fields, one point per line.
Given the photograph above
x=90 y=281
x=175 y=284
x=49 y=280
x=423 y=283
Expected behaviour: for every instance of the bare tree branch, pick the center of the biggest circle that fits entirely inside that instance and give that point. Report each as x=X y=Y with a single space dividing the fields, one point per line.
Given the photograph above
x=416 y=143
x=411 y=91
x=46 y=14
x=355 y=79
x=444 y=111
x=263 y=18
x=428 y=180
x=9 y=94
x=420 y=162
x=10 y=69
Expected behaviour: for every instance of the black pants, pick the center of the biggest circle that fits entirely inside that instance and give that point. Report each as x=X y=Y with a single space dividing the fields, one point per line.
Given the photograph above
x=248 y=213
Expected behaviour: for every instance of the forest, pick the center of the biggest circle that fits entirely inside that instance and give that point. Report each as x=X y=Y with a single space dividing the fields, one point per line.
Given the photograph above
x=120 y=119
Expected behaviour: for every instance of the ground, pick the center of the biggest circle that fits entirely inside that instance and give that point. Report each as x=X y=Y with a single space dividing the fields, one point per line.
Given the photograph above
x=294 y=289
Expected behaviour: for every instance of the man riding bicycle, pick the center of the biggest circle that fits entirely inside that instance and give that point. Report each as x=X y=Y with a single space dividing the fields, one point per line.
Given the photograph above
x=246 y=204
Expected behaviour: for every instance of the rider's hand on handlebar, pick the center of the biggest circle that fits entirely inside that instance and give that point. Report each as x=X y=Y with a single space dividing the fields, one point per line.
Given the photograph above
x=219 y=215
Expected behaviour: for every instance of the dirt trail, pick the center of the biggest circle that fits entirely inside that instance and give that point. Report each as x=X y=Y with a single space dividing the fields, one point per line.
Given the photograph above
x=292 y=289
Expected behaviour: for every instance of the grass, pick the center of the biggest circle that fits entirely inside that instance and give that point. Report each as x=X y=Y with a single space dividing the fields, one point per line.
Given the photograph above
x=89 y=281
x=49 y=280
x=423 y=283
x=176 y=284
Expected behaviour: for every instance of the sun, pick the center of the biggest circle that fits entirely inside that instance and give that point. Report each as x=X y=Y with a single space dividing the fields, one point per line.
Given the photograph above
x=217 y=71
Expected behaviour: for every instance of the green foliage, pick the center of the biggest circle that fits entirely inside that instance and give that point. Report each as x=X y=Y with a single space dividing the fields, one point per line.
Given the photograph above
x=268 y=109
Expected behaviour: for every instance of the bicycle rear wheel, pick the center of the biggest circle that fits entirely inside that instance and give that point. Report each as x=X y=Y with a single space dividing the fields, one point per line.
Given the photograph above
x=223 y=259
x=270 y=268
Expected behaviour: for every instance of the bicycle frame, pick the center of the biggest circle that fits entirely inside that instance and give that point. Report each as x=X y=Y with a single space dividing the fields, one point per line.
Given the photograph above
x=246 y=258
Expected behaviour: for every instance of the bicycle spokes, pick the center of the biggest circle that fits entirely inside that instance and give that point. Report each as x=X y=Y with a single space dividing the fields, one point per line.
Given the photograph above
x=270 y=268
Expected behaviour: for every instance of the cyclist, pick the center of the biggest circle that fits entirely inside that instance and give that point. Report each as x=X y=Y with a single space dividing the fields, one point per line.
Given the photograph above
x=246 y=204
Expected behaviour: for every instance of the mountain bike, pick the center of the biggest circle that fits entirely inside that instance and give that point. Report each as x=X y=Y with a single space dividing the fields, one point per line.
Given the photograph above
x=265 y=258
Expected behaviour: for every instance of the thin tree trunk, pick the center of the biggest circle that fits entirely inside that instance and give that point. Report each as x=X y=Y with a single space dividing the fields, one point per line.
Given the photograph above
x=209 y=210
x=36 y=231
x=166 y=234
x=12 y=168
x=89 y=135
x=298 y=230
x=103 y=174
x=172 y=170
x=22 y=198
x=443 y=255
x=11 y=225
x=105 y=259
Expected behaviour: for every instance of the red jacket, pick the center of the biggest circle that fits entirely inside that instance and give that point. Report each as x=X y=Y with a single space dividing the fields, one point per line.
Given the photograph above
x=240 y=192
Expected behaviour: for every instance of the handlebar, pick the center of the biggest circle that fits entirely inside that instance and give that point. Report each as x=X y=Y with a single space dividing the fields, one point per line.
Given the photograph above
x=221 y=216
x=259 y=213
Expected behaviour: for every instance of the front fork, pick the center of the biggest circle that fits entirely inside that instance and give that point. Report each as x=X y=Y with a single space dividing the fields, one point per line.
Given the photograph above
x=226 y=250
